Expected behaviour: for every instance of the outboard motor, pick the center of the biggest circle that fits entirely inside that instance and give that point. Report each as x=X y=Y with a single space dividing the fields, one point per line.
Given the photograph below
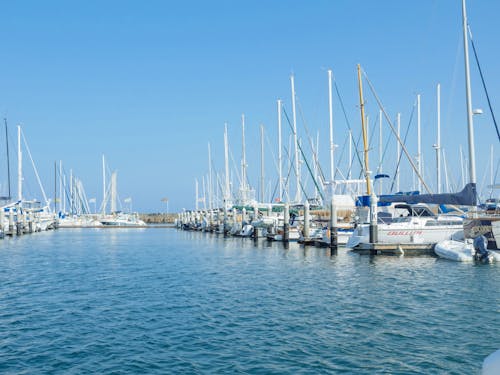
x=480 y=253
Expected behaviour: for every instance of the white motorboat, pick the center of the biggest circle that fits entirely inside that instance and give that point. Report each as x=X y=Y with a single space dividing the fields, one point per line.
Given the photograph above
x=344 y=233
x=78 y=221
x=122 y=220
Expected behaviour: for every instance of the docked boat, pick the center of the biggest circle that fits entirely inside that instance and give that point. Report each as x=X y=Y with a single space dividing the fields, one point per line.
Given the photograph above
x=415 y=224
x=344 y=233
x=78 y=221
x=465 y=251
x=122 y=220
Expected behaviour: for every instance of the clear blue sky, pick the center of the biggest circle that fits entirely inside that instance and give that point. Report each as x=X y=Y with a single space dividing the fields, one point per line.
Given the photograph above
x=149 y=84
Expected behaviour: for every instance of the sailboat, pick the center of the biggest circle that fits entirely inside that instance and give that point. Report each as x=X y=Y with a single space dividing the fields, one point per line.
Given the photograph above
x=116 y=218
x=482 y=233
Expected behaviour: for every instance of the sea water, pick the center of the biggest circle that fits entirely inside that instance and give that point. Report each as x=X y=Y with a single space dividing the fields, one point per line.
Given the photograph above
x=134 y=301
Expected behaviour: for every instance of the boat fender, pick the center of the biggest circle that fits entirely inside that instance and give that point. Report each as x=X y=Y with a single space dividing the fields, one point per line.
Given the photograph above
x=480 y=253
x=400 y=250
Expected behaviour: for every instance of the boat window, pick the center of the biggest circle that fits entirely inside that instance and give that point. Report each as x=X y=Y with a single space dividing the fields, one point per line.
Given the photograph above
x=404 y=219
x=433 y=223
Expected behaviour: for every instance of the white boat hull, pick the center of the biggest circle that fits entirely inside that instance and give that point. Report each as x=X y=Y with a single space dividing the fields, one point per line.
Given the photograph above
x=459 y=251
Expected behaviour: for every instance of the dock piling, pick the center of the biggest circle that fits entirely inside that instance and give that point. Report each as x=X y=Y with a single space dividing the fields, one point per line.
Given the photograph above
x=333 y=226
x=306 y=220
x=373 y=219
x=286 y=223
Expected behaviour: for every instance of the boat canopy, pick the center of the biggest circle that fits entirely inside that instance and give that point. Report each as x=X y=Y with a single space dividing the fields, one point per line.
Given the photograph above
x=466 y=197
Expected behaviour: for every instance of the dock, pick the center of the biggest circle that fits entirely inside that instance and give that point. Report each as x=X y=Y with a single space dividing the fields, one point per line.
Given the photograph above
x=406 y=249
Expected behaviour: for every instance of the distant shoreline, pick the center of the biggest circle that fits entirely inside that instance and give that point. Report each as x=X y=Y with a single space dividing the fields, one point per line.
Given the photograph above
x=158 y=218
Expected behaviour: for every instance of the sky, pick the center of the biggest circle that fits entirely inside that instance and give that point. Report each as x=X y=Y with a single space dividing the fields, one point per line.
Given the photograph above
x=150 y=84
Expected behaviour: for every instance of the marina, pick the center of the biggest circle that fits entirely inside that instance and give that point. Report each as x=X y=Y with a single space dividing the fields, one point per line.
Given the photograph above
x=212 y=188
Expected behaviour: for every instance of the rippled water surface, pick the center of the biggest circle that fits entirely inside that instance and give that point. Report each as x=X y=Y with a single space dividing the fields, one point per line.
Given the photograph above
x=162 y=301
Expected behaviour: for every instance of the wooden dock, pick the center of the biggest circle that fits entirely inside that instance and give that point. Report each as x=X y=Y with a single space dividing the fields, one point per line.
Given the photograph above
x=407 y=249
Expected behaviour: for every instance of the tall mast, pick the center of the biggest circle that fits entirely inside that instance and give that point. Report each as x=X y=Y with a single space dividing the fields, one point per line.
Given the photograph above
x=210 y=186
x=8 y=156
x=55 y=186
x=380 y=152
x=262 y=163
x=19 y=166
x=365 y=135
x=280 y=171
x=315 y=158
x=398 y=151
x=419 y=145
x=330 y=111
x=65 y=196
x=298 y=193
x=472 y=152
x=71 y=194
x=61 y=200
x=226 y=166
x=243 y=161
x=438 y=142
x=104 y=198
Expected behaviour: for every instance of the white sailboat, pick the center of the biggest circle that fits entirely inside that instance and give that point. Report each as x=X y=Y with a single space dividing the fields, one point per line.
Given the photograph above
x=485 y=231
x=116 y=218
x=415 y=224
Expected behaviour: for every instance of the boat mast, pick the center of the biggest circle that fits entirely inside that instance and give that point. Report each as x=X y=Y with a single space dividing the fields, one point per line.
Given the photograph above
x=243 y=162
x=365 y=135
x=71 y=194
x=330 y=112
x=8 y=156
x=210 y=186
x=262 y=163
x=104 y=198
x=19 y=166
x=315 y=157
x=65 y=194
x=55 y=186
x=419 y=145
x=280 y=171
x=380 y=146
x=398 y=151
x=61 y=201
x=298 y=193
x=438 y=142
x=470 y=127
x=226 y=166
